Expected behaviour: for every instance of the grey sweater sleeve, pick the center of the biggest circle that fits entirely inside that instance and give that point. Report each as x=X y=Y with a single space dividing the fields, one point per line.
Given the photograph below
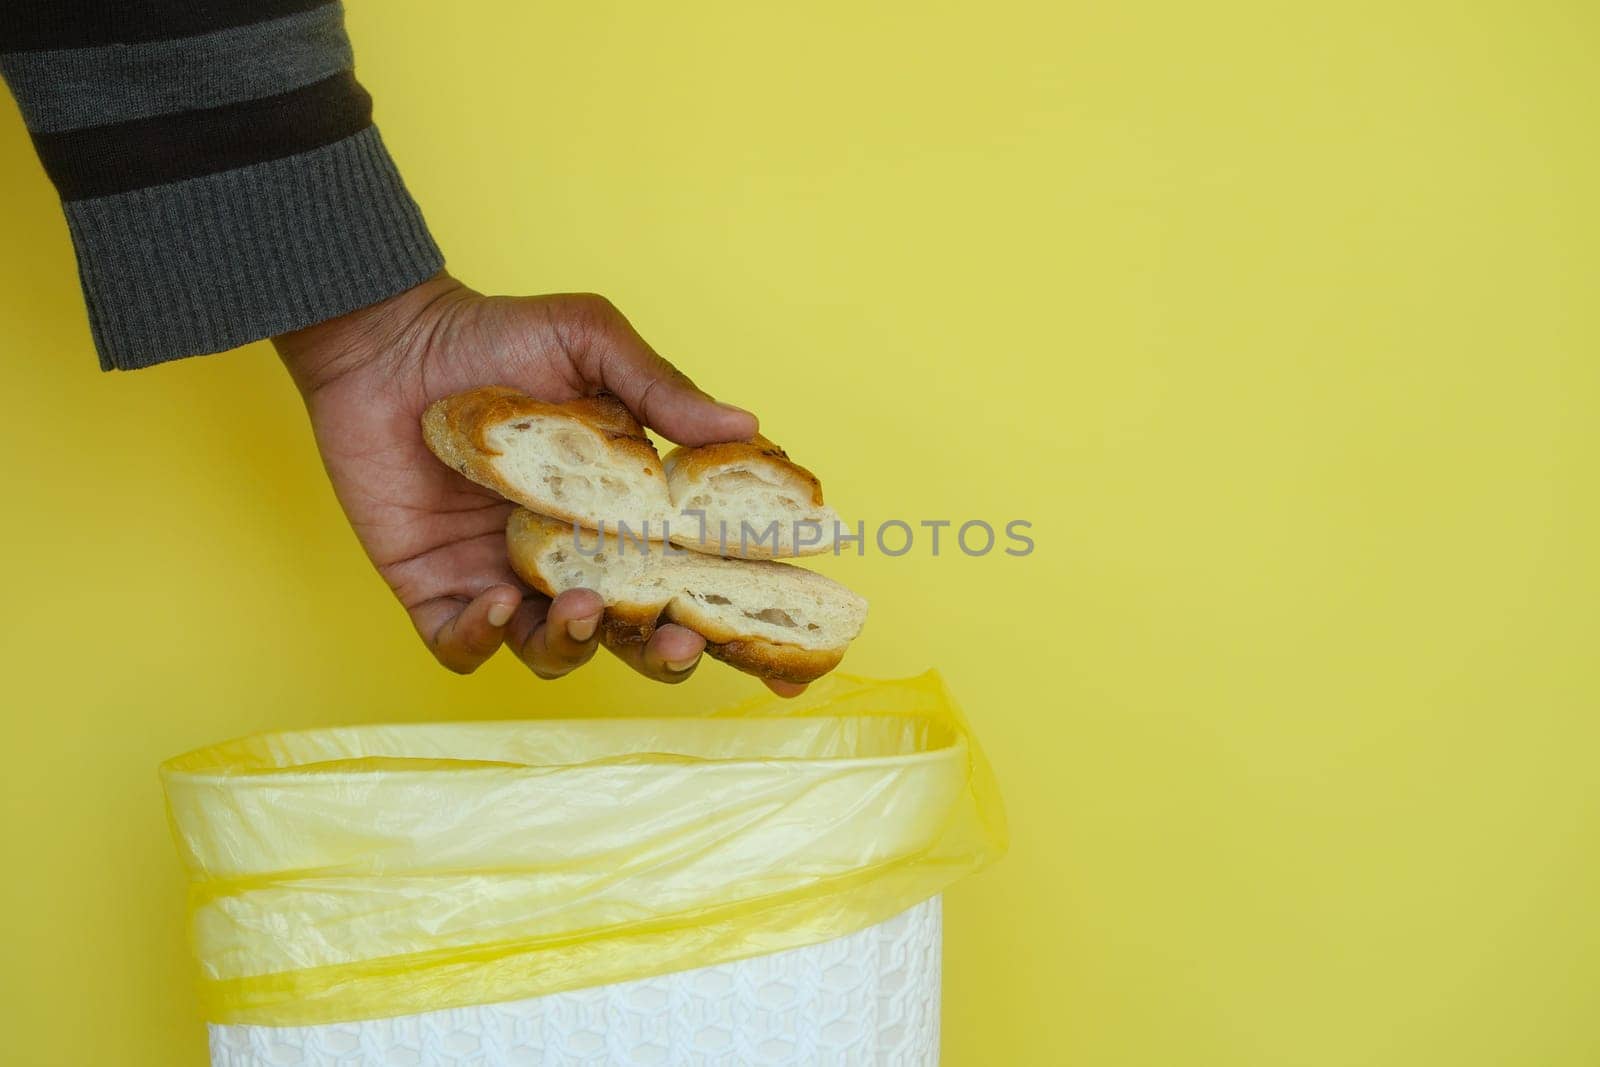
x=218 y=167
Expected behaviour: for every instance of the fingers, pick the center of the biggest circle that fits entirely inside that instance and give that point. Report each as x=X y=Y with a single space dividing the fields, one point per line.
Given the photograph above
x=670 y=656
x=462 y=638
x=555 y=637
x=662 y=396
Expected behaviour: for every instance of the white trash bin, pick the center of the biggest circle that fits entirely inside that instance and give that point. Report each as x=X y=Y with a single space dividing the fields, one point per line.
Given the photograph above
x=868 y=998
x=758 y=887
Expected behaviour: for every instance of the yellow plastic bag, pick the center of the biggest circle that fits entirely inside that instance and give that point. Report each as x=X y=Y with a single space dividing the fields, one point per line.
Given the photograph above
x=373 y=871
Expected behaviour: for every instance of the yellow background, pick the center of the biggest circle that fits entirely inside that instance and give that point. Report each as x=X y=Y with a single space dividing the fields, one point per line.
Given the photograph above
x=1278 y=321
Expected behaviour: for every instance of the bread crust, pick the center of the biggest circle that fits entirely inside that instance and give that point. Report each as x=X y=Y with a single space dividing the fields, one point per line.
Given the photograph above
x=781 y=663
x=455 y=430
x=755 y=655
x=528 y=535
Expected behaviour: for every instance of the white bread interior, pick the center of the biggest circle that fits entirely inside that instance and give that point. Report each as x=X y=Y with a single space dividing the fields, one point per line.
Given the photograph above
x=737 y=500
x=582 y=460
x=566 y=466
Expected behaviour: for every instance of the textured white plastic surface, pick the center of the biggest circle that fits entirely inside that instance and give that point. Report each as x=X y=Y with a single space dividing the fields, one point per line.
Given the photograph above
x=869 y=998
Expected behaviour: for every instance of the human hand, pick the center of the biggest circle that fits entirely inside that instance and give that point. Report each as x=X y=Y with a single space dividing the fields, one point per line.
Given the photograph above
x=439 y=539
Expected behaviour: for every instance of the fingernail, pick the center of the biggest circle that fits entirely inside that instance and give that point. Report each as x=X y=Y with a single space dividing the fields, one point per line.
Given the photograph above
x=735 y=408
x=682 y=665
x=500 y=614
x=582 y=629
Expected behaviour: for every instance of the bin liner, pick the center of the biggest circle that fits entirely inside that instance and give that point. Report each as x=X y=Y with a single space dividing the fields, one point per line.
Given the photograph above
x=371 y=871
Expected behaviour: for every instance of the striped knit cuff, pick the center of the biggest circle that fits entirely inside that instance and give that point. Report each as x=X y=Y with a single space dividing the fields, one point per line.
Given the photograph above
x=212 y=263
x=217 y=162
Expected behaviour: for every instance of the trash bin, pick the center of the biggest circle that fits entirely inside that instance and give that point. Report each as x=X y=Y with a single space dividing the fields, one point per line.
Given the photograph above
x=758 y=886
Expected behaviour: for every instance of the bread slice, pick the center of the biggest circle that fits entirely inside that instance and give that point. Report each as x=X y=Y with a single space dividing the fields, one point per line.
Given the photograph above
x=747 y=498
x=582 y=461
x=770 y=619
x=588 y=461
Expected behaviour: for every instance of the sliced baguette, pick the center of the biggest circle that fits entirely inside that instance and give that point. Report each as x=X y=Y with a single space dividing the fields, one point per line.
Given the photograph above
x=582 y=461
x=747 y=498
x=770 y=619
x=588 y=461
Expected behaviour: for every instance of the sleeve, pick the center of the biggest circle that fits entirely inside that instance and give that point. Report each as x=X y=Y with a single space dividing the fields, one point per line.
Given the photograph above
x=218 y=167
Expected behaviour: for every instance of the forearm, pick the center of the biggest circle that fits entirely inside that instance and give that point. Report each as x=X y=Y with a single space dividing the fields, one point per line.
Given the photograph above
x=218 y=167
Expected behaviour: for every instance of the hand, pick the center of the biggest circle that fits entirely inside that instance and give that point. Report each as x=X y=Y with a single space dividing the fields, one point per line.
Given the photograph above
x=438 y=539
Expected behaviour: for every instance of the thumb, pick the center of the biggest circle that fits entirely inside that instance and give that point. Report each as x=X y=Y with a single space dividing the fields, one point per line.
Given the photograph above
x=660 y=395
